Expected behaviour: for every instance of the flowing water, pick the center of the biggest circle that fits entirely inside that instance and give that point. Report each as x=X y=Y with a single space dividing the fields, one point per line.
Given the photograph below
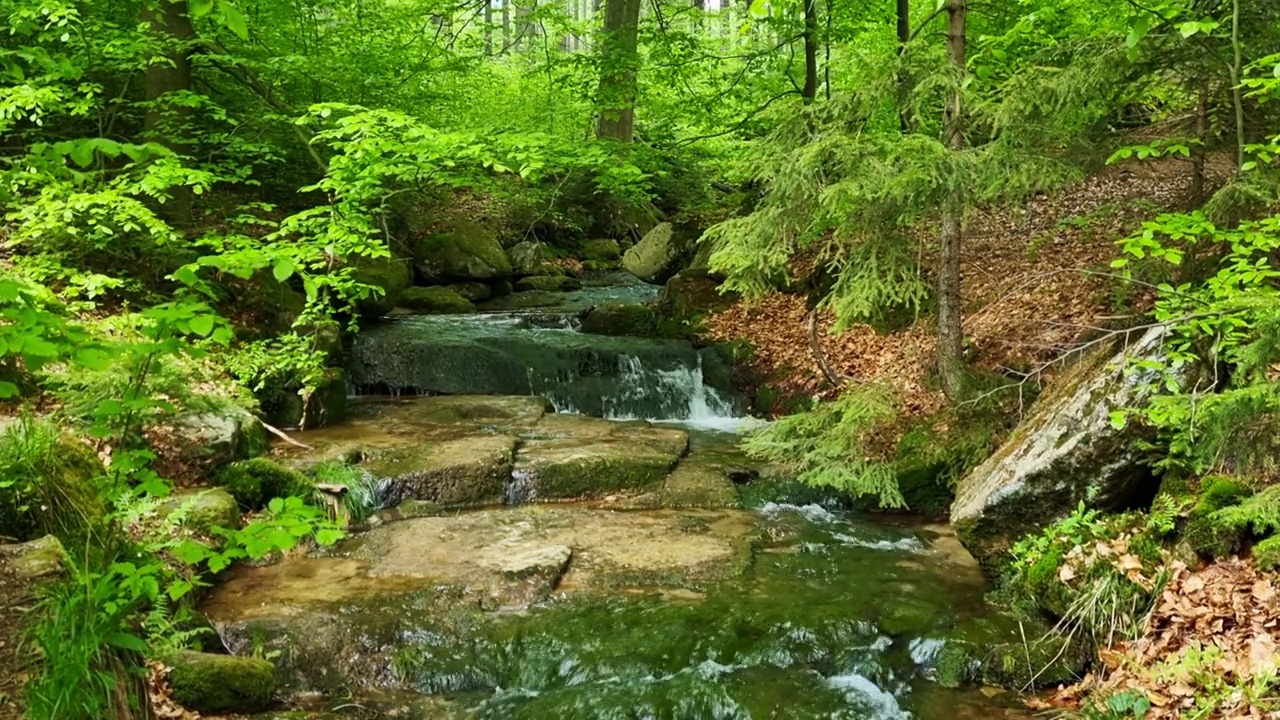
x=542 y=352
x=793 y=611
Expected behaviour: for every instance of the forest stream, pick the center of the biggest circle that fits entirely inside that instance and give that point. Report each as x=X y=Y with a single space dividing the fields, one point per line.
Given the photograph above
x=658 y=600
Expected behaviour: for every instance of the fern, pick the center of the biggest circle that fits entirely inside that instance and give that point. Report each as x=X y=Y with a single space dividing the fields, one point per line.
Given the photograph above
x=827 y=445
x=1259 y=513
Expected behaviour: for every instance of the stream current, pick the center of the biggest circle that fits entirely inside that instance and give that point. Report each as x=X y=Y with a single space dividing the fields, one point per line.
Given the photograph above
x=826 y=614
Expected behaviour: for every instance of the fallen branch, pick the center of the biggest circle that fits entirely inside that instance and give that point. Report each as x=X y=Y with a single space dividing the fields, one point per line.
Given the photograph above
x=278 y=432
x=815 y=346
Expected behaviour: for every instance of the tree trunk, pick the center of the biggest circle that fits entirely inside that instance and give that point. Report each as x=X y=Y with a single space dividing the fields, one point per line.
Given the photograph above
x=904 y=80
x=1198 y=153
x=950 y=313
x=616 y=98
x=1237 y=92
x=166 y=123
x=810 y=90
x=506 y=25
x=488 y=27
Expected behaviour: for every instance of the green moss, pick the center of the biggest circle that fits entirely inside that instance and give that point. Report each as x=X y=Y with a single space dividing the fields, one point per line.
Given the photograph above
x=523 y=300
x=1208 y=538
x=220 y=683
x=436 y=299
x=461 y=249
x=1008 y=652
x=327 y=405
x=204 y=509
x=602 y=250
x=255 y=482
x=390 y=274
x=593 y=476
x=1267 y=553
x=633 y=319
x=547 y=283
x=48 y=484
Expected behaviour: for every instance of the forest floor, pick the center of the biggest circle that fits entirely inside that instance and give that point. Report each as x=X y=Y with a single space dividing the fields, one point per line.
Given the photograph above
x=1036 y=280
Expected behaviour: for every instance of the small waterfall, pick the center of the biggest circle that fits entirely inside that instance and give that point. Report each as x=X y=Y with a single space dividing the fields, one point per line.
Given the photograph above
x=624 y=378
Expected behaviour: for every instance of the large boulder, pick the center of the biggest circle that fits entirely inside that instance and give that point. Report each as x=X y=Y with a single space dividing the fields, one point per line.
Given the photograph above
x=691 y=293
x=202 y=510
x=440 y=300
x=210 y=683
x=634 y=319
x=658 y=255
x=22 y=568
x=219 y=436
x=460 y=250
x=602 y=250
x=391 y=275
x=1068 y=451
x=473 y=291
x=547 y=283
x=527 y=258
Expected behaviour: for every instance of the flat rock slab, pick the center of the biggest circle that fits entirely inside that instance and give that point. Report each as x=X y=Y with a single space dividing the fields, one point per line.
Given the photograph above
x=341 y=616
x=470 y=470
x=572 y=456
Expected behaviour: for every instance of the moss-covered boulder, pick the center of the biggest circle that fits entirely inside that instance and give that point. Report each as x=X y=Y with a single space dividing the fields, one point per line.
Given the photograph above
x=693 y=293
x=527 y=300
x=391 y=275
x=210 y=683
x=460 y=250
x=694 y=483
x=635 y=319
x=43 y=557
x=547 y=283
x=659 y=254
x=218 y=436
x=255 y=482
x=466 y=471
x=601 y=250
x=527 y=258
x=1209 y=538
x=1067 y=452
x=1018 y=654
x=48 y=484
x=200 y=510
x=584 y=457
x=439 y=300
x=473 y=291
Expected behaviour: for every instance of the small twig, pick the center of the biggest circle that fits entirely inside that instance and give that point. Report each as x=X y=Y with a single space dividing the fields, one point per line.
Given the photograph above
x=815 y=346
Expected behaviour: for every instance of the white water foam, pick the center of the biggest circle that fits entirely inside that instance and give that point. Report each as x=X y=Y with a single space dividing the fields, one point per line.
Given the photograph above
x=881 y=702
x=706 y=409
x=901 y=545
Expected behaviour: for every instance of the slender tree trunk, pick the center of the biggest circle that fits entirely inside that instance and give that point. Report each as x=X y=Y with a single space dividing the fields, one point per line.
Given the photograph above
x=618 y=59
x=488 y=27
x=1198 y=153
x=904 y=80
x=810 y=90
x=950 y=313
x=1237 y=92
x=166 y=123
x=506 y=24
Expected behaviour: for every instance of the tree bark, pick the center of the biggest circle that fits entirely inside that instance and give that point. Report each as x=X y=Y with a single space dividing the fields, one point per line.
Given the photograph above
x=1237 y=92
x=616 y=98
x=488 y=27
x=810 y=90
x=950 y=313
x=506 y=25
x=904 y=80
x=1198 y=153
x=166 y=123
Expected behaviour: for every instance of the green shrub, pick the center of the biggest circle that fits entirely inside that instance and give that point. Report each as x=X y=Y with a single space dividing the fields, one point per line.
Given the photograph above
x=254 y=482
x=48 y=484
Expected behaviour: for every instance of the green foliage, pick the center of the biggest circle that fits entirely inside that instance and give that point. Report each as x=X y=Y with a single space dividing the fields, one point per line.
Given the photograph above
x=48 y=484
x=826 y=446
x=256 y=481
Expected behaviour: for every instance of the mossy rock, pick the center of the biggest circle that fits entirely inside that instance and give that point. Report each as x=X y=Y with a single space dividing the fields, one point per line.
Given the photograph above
x=473 y=291
x=460 y=250
x=392 y=275
x=693 y=293
x=439 y=300
x=283 y=406
x=527 y=257
x=50 y=484
x=634 y=319
x=658 y=255
x=210 y=683
x=255 y=482
x=1211 y=539
x=588 y=457
x=463 y=472
x=1011 y=653
x=547 y=283
x=529 y=300
x=601 y=250
x=203 y=509
x=215 y=437
x=40 y=558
